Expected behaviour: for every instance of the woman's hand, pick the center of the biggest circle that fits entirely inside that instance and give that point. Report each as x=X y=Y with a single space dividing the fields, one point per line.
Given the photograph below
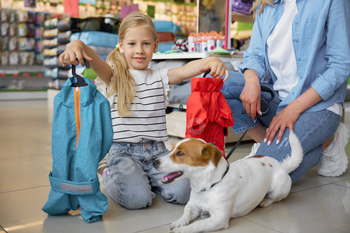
x=216 y=67
x=285 y=119
x=288 y=116
x=250 y=95
x=75 y=50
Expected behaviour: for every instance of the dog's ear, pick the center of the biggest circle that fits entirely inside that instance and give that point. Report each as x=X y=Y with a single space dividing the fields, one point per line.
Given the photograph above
x=216 y=156
x=212 y=152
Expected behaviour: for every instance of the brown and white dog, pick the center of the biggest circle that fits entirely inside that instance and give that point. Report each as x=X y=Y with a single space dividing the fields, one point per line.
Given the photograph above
x=225 y=190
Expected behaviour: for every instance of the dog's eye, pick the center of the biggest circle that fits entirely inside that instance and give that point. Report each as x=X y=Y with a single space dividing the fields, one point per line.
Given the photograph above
x=179 y=153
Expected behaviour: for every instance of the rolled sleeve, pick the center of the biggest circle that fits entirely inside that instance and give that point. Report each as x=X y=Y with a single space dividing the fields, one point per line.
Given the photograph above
x=337 y=50
x=254 y=56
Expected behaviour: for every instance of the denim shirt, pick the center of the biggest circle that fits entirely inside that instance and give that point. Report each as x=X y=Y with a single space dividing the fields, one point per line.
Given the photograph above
x=321 y=40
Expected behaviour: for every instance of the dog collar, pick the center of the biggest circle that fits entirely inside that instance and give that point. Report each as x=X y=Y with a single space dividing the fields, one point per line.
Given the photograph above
x=227 y=168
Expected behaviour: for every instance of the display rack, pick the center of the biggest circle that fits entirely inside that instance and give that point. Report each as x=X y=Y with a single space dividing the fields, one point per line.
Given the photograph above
x=14 y=75
x=193 y=56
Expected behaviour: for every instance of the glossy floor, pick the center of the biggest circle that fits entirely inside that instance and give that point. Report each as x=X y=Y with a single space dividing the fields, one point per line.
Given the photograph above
x=315 y=204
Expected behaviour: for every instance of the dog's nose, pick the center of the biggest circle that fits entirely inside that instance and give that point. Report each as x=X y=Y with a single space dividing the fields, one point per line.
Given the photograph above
x=156 y=163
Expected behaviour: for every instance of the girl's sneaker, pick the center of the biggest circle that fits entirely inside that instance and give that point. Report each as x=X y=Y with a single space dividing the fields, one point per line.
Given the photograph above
x=335 y=161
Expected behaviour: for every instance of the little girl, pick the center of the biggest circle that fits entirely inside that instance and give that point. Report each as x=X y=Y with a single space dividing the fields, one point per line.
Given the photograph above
x=138 y=98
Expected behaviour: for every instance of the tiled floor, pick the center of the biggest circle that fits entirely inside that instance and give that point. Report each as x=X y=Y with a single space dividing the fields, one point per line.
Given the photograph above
x=316 y=204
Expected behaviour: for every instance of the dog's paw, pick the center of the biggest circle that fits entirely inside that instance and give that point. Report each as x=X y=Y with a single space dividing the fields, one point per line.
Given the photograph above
x=266 y=202
x=178 y=223
x=179 y=230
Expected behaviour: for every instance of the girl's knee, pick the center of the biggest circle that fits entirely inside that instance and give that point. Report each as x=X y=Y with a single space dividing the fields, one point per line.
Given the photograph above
x=128 y=194
x=136 y=200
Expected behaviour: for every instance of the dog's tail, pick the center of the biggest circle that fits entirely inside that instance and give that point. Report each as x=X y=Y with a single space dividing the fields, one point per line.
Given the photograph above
x=291 y=163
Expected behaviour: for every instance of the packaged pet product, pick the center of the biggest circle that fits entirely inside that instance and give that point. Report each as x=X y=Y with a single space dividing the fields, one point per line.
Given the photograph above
x=51 y=42
x=26 y=44
x=192 y=42
x=51 y=23
x=5 y=43
x=61 y=48
x=198 y=44
x=13 y=29
x=21 y=84
x=39 y=46
x=39 y=31
x=204 y=44
x=22 y=16
x=97 y=38
x=220 y=40
x=5 y=15
x=63 y=37
x=13 y=44
x=63 y=73
x=212 y=41
x=13 y=58
x=5 y=29
x=40 y=18
x=39 y=59
x=50 y=52
x=64 y=24
x=26 y=58
x=22 y=30
x=5 y=58
x=50 y=33
x=30 y=30
x=31 y=17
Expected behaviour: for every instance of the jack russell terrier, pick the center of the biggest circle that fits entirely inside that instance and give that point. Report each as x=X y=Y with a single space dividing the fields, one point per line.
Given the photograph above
x=225 y=190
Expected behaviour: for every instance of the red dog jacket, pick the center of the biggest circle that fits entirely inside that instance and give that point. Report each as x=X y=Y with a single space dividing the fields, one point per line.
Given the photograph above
x=207 y=112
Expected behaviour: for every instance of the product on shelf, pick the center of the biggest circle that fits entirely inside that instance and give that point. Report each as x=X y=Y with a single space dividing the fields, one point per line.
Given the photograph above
x=5 y=26
x=5 y=58
x=26 y=58
x=26 y=44
x=13 y=58
x=4 y=43
x=205 y=42
x=13 y=43
x=63 y=37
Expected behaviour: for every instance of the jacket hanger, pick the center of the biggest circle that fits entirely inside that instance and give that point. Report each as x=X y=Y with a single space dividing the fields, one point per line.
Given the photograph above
x=80 y=79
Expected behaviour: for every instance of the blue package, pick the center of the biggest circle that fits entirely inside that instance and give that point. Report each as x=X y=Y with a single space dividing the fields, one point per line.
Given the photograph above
x=96 y=38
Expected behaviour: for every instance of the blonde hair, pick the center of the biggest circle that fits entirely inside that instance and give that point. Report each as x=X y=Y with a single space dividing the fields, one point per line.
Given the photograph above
x=122 y=82
x=261 y=3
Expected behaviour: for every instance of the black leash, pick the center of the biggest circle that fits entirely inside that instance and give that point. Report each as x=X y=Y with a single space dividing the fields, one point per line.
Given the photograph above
x=238 y=142
x=265 y=108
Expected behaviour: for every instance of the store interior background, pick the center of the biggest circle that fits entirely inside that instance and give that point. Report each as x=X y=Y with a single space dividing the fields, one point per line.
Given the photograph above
x=30 y=77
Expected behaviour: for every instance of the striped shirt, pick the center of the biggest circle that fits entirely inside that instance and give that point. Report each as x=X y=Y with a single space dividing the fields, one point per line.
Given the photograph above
x=147 y=121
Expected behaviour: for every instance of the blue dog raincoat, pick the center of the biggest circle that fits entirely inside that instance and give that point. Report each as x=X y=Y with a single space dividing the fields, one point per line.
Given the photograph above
x=82 y=135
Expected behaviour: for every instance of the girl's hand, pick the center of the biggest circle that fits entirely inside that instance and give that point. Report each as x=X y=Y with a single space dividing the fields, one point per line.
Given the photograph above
x=250 y=95
x=285 y=119
x=75 y=50
x=217 y=68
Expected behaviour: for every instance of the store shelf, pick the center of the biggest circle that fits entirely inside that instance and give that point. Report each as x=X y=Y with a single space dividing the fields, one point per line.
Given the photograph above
x=15 y=69
x=240 y=17
x=192 y=56
x=180 y=56
x=23 y=94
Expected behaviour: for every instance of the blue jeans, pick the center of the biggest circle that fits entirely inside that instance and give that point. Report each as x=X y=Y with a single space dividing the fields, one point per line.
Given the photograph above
x=132 y=178
x=312 y=128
